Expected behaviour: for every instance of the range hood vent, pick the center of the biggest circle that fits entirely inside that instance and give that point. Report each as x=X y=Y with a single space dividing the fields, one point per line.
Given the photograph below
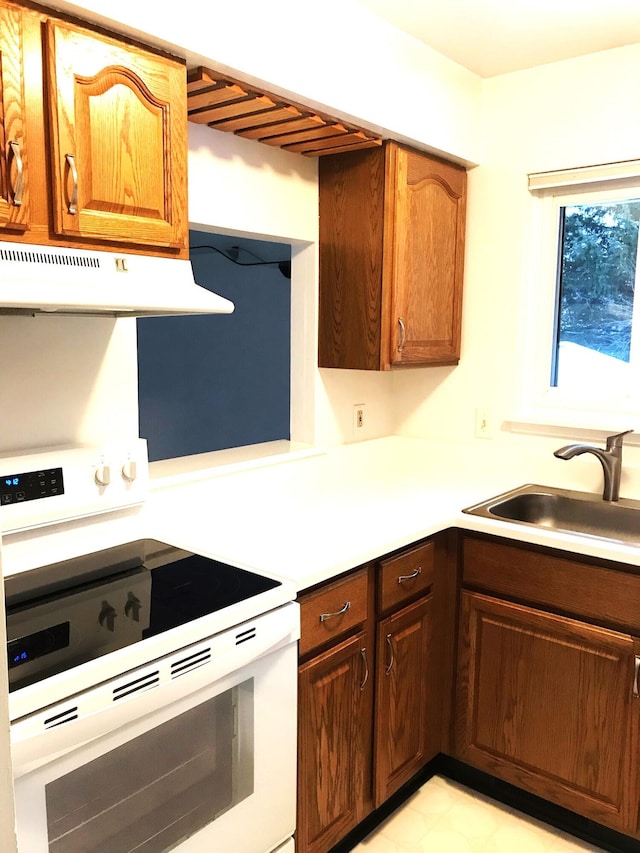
x=62 y=281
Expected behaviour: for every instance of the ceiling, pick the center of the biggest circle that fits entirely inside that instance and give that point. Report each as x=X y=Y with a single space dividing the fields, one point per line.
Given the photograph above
x=492 y=37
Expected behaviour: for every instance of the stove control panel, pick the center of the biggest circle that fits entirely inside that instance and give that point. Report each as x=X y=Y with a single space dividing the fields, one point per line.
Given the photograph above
x=62 y=483
x=30 y=485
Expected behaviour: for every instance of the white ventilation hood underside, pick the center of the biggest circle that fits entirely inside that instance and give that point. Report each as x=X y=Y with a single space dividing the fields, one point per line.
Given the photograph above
x=61 y=281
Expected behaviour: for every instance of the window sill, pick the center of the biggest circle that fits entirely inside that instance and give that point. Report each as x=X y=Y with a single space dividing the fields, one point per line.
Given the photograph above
x=580 y=425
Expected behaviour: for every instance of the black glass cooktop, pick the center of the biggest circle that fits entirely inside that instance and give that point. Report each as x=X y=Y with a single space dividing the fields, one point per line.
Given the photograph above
x=197 y=586
x=68 y=613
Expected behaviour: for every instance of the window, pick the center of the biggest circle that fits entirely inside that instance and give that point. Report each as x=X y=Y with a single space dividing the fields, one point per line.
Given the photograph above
x=583 y=317
x=595 y=289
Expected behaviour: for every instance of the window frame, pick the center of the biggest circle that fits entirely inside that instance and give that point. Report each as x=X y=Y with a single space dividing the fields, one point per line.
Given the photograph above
x=542 y=403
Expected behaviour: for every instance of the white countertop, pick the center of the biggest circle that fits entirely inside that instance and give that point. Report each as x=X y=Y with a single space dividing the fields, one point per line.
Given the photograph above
x=310 y=517
x=305 y=515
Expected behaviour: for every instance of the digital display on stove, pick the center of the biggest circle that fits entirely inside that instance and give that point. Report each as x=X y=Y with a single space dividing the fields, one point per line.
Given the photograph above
x=30 y=486
x=25 y=649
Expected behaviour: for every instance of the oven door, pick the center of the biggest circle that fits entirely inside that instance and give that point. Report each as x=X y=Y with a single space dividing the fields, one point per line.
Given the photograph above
x=192 y=765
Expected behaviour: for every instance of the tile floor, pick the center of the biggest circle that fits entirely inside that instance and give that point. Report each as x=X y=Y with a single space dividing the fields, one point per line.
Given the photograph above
x=445 y=817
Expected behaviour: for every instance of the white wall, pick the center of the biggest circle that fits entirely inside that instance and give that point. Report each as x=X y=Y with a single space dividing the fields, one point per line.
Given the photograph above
x=67 y=380
x=573 y=113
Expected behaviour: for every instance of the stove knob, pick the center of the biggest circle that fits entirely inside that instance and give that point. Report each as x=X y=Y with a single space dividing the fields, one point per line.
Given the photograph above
x=129 y=470
x=107 y=615
x=132 y=607
x=103 y=475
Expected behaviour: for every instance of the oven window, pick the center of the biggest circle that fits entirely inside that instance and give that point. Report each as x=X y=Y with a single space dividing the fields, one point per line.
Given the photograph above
x=161 y=787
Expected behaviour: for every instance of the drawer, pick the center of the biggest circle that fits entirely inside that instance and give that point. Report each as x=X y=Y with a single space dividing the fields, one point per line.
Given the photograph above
x=404 y=576
x=601 y=594
x=333 y=610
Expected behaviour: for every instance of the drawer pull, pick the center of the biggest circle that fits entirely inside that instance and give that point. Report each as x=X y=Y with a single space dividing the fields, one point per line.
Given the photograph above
x=14 y=149
x=410 y=577
x=636 y=678
x=363 y=652
x=343 y=609
x=73 y=201
x=390 y=644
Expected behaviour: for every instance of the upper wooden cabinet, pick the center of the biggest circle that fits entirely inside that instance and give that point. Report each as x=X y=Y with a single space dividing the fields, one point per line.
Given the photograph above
x=94 y=138
x=391 y=259
x=118 y=131
x=14 y=195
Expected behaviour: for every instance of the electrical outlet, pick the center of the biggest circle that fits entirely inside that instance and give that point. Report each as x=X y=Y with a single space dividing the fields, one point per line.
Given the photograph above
x=358 y=420
x=484 y=423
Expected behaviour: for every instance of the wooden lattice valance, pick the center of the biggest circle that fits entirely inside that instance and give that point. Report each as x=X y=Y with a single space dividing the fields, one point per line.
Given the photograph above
x=226 y=104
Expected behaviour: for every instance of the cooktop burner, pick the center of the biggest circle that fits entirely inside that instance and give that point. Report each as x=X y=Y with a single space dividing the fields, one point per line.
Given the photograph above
x=65 y=614
x=196 y=586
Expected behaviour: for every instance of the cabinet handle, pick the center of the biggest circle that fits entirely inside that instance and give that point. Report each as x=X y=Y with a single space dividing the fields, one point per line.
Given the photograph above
x=403 y=334
x=410 y=577
x=73 y=201
x=636 y=678
x=343 y=609
x=363 y=653
x=390 y=644
x=14 y=148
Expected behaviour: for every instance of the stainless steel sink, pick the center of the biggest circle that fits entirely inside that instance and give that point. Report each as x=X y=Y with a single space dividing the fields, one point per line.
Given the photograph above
x=567 y=511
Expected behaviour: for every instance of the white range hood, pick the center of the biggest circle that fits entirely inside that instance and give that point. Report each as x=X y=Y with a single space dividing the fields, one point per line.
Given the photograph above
x=62 y=281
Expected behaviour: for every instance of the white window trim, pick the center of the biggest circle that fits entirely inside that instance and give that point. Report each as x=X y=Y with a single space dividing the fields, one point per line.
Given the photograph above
x=543 y=409
x=625 y=170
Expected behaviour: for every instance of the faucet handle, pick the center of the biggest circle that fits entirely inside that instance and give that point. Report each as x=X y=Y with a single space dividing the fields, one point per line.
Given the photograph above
x=617 y=439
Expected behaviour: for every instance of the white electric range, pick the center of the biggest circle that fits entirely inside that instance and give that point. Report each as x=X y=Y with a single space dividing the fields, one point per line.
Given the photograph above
x=152 y=689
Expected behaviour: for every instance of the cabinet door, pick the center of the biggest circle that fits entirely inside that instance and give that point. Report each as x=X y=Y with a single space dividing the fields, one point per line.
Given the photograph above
x=118 y=136
x=545 y=702
x=402 y=697
x=14 y=200
x=334 y=753
x=426 y=233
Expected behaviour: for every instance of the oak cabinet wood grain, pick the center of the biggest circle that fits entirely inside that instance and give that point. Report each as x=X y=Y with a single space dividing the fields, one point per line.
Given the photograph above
x=392 y=224
x=94 y=137
x=337 y=608
x=402 y=703
x=370 y=689
x=118 y=139
x=334 y=704
x=545 y=701
x=405 y=576
x=14 y=191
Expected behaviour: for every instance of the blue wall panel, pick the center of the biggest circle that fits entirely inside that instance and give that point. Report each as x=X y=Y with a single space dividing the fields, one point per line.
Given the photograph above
x=213 y=382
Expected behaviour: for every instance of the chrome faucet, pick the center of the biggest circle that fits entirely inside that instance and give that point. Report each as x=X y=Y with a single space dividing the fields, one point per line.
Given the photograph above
x=610 y=459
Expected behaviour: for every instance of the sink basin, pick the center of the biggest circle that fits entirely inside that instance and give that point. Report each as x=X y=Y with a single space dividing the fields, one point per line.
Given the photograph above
x=566 y=511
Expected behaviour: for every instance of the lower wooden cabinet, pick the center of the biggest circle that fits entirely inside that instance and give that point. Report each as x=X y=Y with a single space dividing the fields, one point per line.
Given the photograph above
x=366 y=723
x=545 y=683
x=402 y=703
x=334 y=748
x=546 y=702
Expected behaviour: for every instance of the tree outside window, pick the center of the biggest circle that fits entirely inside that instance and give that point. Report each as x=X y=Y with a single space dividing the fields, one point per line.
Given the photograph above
x=597 y=267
